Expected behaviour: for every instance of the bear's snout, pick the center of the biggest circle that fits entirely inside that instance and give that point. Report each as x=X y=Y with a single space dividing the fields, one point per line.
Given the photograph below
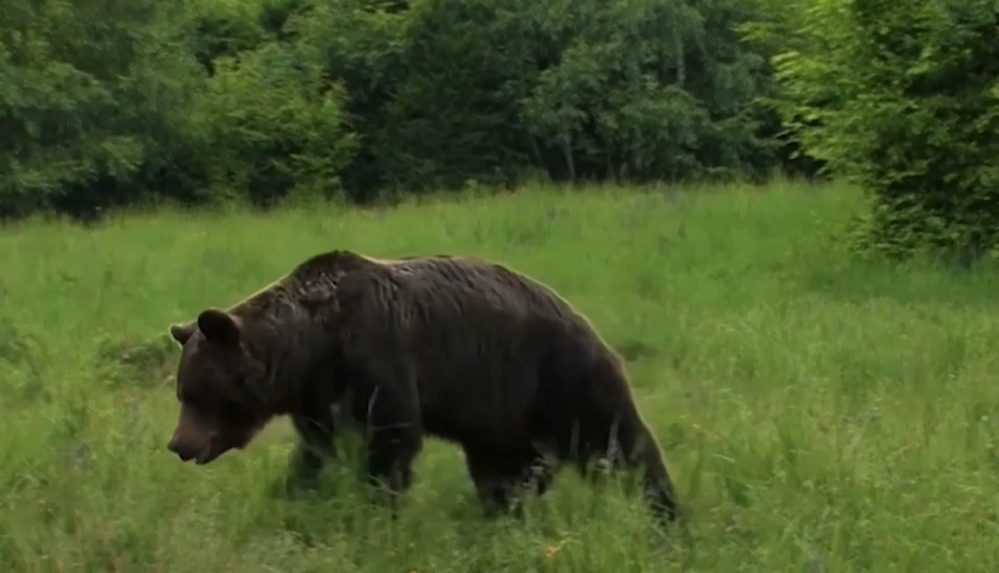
x=187 y=448
x=182 y=452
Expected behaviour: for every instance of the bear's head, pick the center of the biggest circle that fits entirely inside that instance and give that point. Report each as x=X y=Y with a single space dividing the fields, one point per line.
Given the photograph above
x=218 y=385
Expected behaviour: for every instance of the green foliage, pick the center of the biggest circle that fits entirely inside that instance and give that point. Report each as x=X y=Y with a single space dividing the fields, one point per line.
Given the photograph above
x=108 y=103
x=92 y=96
x=105 y=104
x=224 y=29
x=613 y=99
x=648 y=90
x=431 y=108
x=577 y=90
x=904 y=98
x=274 y=126
x=451 y=116
x=122 y=102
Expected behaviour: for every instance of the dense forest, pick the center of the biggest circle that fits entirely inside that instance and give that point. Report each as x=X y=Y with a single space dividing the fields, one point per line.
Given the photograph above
x=107 y=103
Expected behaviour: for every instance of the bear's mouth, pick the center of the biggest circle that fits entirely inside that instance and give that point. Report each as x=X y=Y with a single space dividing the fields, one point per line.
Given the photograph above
x=215 y=449
x=207 y=455
x=210 y=452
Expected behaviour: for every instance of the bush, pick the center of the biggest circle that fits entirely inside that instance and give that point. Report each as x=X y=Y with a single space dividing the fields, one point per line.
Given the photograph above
x=903 y=97
x=275 y=126
x=92 y=99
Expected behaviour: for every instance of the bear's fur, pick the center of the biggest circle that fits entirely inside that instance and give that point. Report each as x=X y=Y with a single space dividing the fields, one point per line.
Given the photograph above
x=452 y=347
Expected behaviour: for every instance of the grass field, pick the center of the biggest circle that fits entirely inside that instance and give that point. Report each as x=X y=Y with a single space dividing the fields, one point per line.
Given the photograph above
x=818 y=413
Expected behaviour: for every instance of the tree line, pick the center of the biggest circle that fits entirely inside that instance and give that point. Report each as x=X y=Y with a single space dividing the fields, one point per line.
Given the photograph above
x=116 y=102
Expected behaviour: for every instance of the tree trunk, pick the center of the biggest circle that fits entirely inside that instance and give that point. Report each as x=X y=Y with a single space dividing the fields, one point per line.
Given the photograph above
x=535 y=151
x=570 y=162
x=681 y=64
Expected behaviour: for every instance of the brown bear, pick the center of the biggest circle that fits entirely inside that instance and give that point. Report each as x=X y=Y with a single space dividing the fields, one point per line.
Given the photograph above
x=457 y=348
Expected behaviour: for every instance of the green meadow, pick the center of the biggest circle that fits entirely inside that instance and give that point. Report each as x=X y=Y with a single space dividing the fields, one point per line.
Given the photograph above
x=819 y=412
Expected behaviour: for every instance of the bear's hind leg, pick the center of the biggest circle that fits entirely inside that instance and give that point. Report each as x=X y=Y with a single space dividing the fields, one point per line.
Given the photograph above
x=625 y=445
x=641 y=452
x=503 y=478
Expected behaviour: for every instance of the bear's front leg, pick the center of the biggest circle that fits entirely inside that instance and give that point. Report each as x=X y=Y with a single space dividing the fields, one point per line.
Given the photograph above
x=315 y=426
x=394 y=438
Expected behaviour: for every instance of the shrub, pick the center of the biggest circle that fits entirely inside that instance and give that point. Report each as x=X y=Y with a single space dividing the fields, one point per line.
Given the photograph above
x=903 y=97
x=92 y=99
x=275 y=126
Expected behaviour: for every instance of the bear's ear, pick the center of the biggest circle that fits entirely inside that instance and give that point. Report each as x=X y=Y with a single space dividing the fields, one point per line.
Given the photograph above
x=219 y=326
x=181 y=332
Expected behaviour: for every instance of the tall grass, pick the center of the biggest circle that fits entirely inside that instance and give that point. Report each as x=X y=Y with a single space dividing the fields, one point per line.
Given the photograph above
x=819 y=413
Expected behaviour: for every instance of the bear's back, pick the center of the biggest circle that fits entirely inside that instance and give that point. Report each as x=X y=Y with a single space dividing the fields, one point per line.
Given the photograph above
x=431 y=298
x=480 y=340
x=469 y=288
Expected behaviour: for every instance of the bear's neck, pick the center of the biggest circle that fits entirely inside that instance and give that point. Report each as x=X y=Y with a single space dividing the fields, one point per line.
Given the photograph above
x=297 y=348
